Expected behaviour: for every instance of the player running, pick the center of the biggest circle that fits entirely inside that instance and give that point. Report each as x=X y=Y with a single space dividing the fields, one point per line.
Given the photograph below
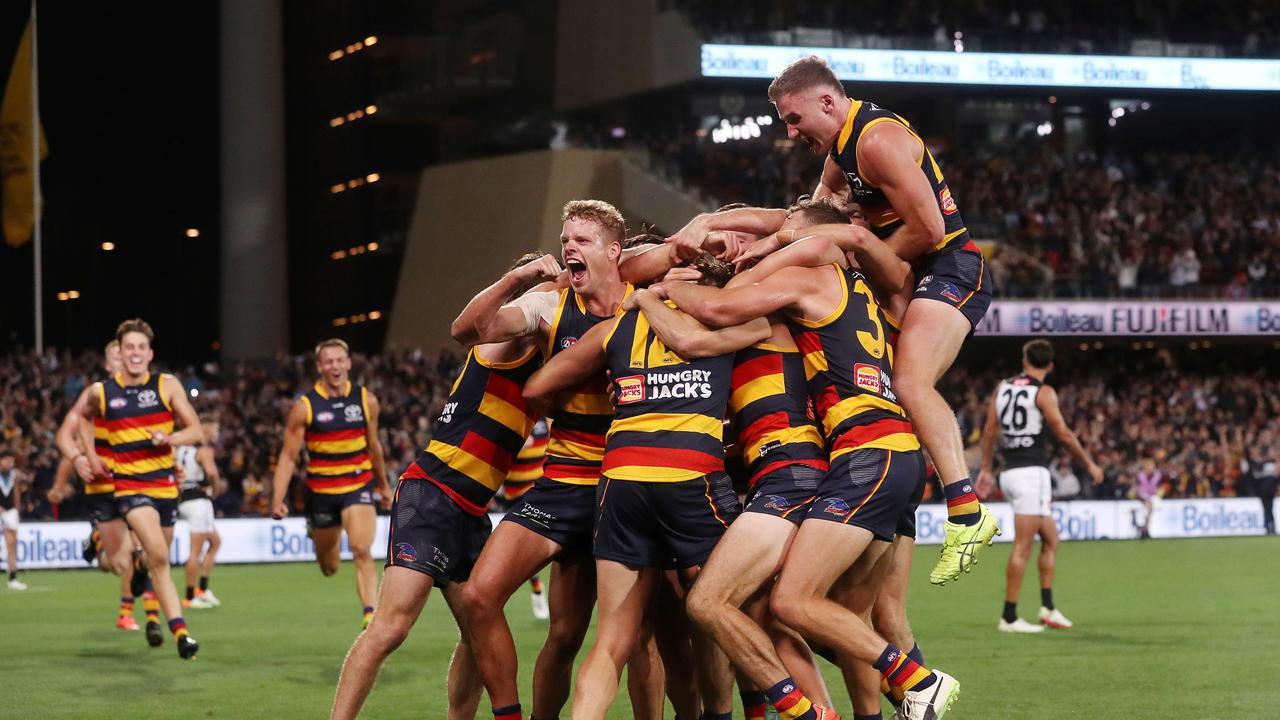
x=338 y=421
x=200 y=483
x=10 y=501
x=438 y=520
x=139 y=409
x=1020 y=411
x=876 y=159
x=110 y=540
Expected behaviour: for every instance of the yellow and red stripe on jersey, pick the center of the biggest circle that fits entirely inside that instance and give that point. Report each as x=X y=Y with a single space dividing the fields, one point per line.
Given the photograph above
x=132 y=414
x=582 y=413
x=771 y=411
x=848 y=362
x=477 y=435
x=101 y=448
x=337 y=440
x=527 y=467
x=669 y=426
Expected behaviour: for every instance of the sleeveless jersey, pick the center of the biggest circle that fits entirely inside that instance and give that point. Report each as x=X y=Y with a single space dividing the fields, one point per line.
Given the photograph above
x=132 y=413
x=337 y=440
x=848 y=362
x=670 y=422
x=101 y=448
x=582 y=413
x=864 y=115
x=479 y=432
x=1022 y=440
x=527 y=467
x=772 y=413
x=193 y=480
x=8 y=488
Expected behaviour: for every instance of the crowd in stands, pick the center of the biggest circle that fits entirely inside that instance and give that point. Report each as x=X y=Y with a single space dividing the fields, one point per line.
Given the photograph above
x=1135 y=411
x=1084 y=26
x=1172 y=224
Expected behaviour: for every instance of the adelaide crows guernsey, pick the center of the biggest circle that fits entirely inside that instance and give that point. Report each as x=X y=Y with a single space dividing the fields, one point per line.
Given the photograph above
x=337 y=440
x=132 y=414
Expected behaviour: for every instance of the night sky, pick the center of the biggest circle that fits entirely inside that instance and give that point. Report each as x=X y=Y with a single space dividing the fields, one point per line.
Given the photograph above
x=129 y=104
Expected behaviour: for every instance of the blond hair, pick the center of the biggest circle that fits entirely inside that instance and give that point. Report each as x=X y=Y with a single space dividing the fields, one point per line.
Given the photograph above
x=598 y=212
x=803 y=74
x=106 y=350
x=332 y=342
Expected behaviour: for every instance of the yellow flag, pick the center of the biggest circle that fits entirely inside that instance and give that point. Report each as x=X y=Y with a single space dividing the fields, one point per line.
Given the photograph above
x=17 y=167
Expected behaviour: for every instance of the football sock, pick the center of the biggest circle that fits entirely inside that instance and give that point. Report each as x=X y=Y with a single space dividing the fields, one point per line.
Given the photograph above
x=1010 y=612
x=902 y=672
x=790 y=703
x=191 y=591
x=510 y=712
x=876 y=716
x=126 y=606
x=536 y=585
x=1046 y=598
x=915 y=654
x=204 y=583
x=178 y=627
x=151 y=606
x=13 y=575
x=754 y=704
x=368 y=613
x=708 y=715
x=962 y=502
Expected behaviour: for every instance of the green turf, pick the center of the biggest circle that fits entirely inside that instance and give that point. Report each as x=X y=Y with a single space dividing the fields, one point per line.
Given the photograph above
x=1164 y=629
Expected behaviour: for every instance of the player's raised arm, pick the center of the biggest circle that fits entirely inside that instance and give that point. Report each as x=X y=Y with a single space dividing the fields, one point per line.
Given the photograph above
x=378 y=460
x=294 y=432
x=488 y=318
x=1047 y=402
x=688 y=242
x=568 y=367
x=736 y=305
x=889 y=156
x=691 y=339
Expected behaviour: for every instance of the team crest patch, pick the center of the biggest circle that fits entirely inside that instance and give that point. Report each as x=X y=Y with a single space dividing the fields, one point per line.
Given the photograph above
x=566 y=343
x=630 y=389
x=405 y=552
x=353 y=413
x=867 y=377
x=837 y=507
x=777 y=502
x=949 y=291
x=147 y=398
x=947 y=202
x=323 y=417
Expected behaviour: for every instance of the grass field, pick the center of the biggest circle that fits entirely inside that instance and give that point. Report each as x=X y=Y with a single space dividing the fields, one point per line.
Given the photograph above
x=1164 y=629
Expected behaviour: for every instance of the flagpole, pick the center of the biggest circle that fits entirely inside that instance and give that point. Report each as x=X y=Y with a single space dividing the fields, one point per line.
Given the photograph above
x=35 y=185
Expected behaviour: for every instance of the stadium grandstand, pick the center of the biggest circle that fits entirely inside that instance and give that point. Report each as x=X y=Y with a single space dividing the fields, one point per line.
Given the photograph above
x=674 y=344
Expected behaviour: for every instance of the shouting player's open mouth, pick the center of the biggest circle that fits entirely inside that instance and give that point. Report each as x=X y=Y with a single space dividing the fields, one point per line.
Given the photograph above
x=577 y=271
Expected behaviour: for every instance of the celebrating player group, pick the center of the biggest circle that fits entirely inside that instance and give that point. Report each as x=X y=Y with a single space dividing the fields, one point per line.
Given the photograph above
x=819 y=331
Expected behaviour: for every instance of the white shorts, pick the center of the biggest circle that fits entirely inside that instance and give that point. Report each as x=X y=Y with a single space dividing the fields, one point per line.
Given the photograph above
x=1028 y=489
x=9 y=519
x=198 y=513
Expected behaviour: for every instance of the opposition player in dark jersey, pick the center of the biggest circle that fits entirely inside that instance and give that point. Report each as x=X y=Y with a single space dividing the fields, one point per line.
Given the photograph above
x=338 y=421
x=140 y=408
x=876 y=159
x=439 y=522
x=109 y=541
x=524 y=472
x=10 y=501
x=554 y=521
x=855 y=509
x=1022 y=408
x=200 y=483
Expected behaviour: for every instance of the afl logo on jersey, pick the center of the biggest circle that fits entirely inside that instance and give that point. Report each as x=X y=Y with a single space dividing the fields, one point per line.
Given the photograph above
x=117 y=403
x=566 y=343
x=352 y=413
x=147 y=398
x=324 y=417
